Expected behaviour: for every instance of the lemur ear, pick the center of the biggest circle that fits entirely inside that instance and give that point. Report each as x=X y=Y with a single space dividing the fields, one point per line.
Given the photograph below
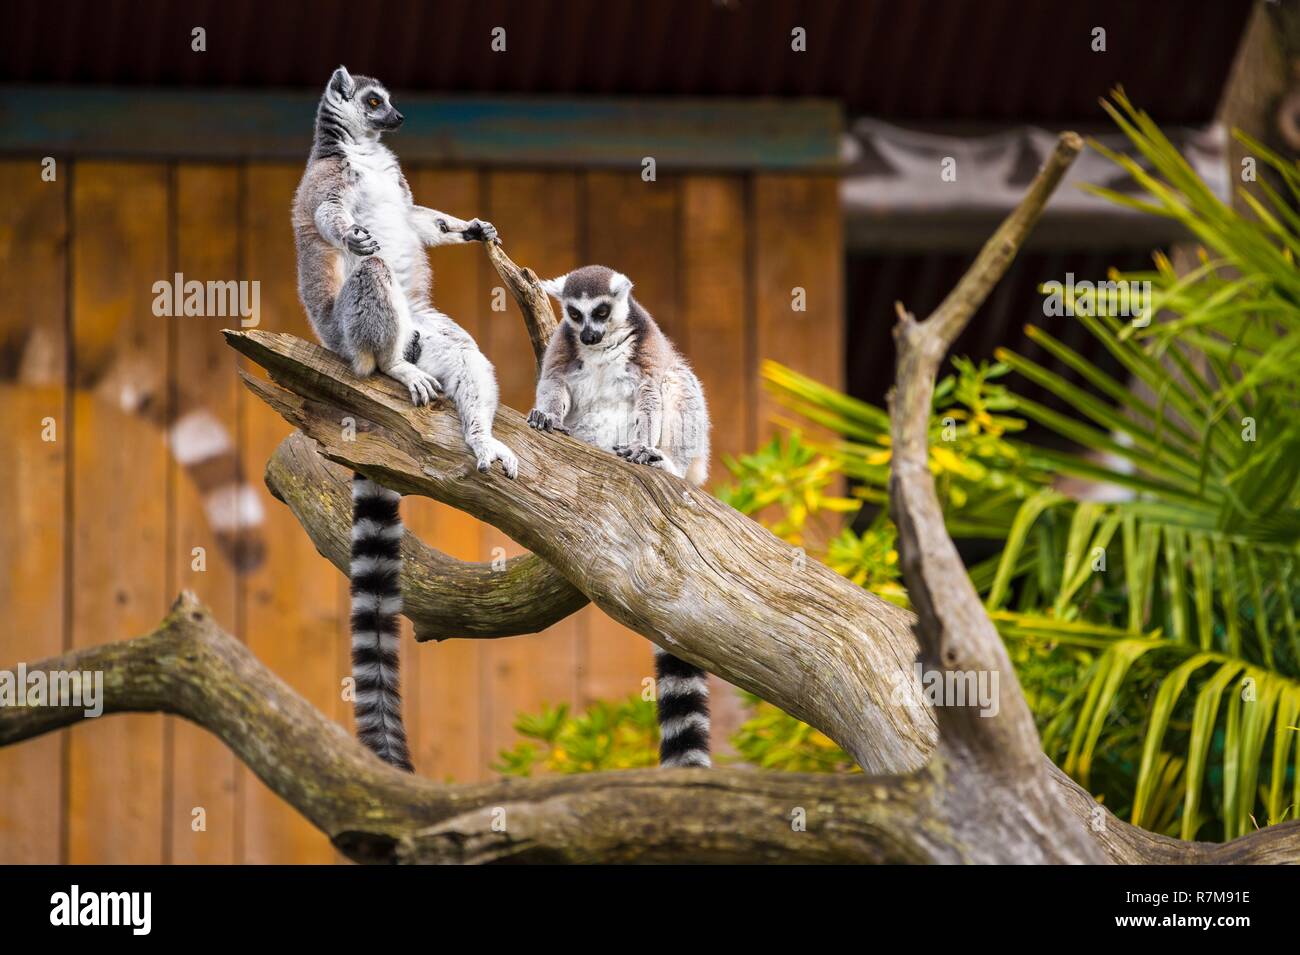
x=554 y=287
x=619 y=285
x=342 y=83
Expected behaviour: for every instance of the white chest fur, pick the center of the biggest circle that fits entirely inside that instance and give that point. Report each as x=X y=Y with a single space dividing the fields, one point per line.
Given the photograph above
x=602 y=395
x=381 y=205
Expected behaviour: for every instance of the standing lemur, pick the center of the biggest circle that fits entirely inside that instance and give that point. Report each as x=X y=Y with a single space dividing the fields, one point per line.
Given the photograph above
x=613 y=380
x=364 y=279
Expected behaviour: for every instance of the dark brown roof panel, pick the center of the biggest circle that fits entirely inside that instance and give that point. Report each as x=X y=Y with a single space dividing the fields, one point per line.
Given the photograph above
x=911 y=60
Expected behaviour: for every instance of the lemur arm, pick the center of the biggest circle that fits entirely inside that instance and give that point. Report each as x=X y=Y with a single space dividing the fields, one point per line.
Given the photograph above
x=440 y=228
x=647 y=414
x=552 y=403
x=333 y=221
x=553 y=397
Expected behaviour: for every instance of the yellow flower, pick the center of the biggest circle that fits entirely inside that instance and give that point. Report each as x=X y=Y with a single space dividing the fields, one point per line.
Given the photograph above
x=880 y=457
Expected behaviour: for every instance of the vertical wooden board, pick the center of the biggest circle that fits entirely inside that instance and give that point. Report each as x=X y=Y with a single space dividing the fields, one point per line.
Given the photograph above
x=207 y=391
x=536 y=214
x=116 y=808
x=715 y=299
x=715 y=303
x=798 y=244
x=634 y=227
x=33 y=236
x=631 y=226
x=32 y=806
x=442 y=679
x=293 y=603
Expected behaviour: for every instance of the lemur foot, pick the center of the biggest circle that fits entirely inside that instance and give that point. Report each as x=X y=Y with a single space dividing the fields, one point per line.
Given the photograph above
x=423 y=386
x=360 y=242
x=641 y=454
x=494 y=450
x=544 y=421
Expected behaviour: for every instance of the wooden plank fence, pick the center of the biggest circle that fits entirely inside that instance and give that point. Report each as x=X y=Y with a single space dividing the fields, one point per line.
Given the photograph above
x=103 y=525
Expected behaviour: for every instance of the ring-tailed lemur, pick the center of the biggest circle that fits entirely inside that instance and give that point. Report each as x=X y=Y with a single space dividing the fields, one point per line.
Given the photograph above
x=365 y=279
x=613 y=380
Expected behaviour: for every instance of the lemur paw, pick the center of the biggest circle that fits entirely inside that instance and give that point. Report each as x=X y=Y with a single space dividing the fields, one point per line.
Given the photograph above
x=360 y=242
x=479 y=231
x=640 y=454
x=424 y=388
x=494 y=450
x=543 y=421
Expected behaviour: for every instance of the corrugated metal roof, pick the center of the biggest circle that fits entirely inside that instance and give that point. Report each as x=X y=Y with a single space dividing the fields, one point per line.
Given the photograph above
x=914 y=60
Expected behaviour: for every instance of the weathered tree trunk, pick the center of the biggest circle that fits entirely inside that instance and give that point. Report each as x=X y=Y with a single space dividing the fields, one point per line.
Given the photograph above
x=374 y=813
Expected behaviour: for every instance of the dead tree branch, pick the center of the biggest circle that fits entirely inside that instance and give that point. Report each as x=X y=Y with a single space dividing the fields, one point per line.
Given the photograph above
x=998 y=747
x=191 y=668
x=655 y=553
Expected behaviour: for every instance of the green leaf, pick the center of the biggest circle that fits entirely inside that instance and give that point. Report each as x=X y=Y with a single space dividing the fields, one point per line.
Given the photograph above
x=1198 y=747
x=1024 y=520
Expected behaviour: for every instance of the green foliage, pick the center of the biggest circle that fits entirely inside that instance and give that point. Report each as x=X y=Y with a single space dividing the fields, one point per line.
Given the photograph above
x=980 y=475
x=624 y=735
x=789 y=477
x=773 y=739
x=1182 y=597
x=787 y=484
x=869 y=559
x=621 y=735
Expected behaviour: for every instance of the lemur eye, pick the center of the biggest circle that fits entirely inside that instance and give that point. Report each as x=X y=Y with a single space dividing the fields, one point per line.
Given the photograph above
x=373 y=101
x=602 y=311
x=575 y=314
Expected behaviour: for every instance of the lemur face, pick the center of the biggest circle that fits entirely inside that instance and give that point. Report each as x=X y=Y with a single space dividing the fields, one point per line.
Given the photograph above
x=363 y=104
x=594 y=299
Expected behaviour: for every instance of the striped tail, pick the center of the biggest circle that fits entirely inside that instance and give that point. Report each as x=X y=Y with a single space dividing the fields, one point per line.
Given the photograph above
x=683 y=693
x=376 y=602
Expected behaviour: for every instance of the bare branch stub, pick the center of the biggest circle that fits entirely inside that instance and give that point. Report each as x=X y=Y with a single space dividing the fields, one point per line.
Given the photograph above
x=955 y=633
x=534 y=304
